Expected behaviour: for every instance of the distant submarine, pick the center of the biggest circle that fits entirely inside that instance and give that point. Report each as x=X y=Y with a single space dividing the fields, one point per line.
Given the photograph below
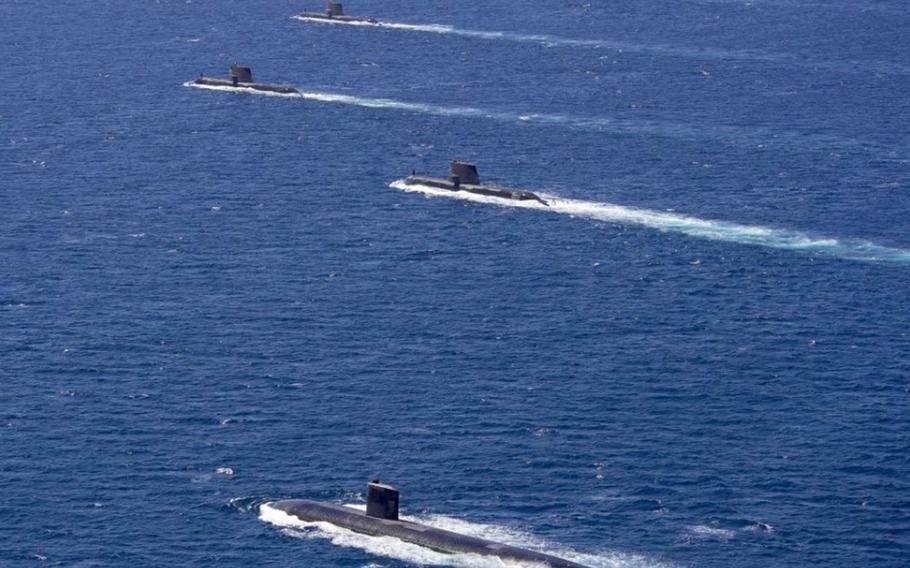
x=381 y=519
x=463 y=177
x=335 y=12
x=242 y=77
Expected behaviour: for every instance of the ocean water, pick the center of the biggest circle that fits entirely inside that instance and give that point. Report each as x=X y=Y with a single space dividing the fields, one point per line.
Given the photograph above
x=698 y=356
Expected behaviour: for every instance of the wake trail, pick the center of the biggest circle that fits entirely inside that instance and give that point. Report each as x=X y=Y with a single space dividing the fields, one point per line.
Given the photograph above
x=735 y=135
x=391 y=547
x=699 y=53
x=438 y=110
x=756 y=235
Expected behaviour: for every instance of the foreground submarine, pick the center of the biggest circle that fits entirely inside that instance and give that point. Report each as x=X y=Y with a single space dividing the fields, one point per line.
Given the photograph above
x=242 y=77
x=463 y=177
x=381 y=519
x=335 y=12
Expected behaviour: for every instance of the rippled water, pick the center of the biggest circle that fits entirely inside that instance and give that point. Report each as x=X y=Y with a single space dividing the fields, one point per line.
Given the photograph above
x=697 y=356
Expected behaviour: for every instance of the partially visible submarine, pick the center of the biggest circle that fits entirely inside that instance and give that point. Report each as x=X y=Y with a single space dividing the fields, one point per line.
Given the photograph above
x=381 y=519
x=334 y=11
x=242 y=77
x=463 y=177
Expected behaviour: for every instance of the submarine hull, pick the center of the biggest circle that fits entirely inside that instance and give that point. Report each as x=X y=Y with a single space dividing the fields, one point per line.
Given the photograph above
x=436 y=539
x=440 y=183
x=325 y=17
x=211 y=81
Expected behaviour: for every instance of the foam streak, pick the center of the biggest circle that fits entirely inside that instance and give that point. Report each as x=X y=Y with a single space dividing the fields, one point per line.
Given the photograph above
x=693 y=226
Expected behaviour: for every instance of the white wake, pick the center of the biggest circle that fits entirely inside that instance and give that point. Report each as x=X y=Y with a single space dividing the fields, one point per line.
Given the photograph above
x=599 y=124
x=391 y=547
x=550 y=40
x=422 y=108
x=698 y=53
x=693 y=226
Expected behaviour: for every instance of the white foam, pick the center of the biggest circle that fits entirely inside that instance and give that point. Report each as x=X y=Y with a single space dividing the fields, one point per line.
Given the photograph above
x=687 y=225
x=391 y=547
x=706 y=532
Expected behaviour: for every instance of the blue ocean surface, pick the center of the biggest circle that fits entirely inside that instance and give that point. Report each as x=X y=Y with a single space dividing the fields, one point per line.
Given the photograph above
x=697 y=357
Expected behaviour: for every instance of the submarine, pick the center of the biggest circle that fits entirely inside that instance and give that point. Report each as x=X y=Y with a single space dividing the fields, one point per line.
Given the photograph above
x=463 y=177
x=381 y=519
x=334 y=12
x=242 y=77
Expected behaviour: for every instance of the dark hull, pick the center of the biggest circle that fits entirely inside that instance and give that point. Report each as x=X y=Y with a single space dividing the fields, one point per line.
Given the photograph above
x=324 y=17
x=253 y=86
x=441 y=183
x=436 y=539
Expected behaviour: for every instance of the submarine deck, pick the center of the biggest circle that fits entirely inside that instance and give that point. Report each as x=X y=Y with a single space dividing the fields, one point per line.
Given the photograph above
x=326 y=17
x=430 y=537
x=442 y=183
x=255 y=86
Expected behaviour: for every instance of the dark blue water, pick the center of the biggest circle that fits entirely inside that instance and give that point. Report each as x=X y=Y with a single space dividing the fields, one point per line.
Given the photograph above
x=210 y=300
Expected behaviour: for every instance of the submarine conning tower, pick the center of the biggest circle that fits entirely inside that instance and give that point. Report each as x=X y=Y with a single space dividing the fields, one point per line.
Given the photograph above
x=241 y=74
x=463 y=172
x=382 y=501
x=334 y=9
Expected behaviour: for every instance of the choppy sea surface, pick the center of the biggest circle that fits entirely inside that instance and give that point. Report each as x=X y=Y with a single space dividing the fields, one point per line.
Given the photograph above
x=698 y=356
